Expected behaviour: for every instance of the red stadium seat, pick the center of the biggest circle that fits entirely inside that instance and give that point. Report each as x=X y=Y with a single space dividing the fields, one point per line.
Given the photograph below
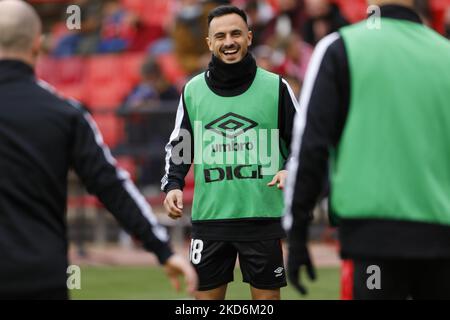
x=354 y=11
x=438 y=8
x=135 y=6
x=131 y=67
x=274 y=5
x=156 y=12
x=439 y=4
x=153 y=15
x=46 y=69
x=52 y=70
x=111 y=127
x=107 y=96
x=107 y=83
x=70 y=70
x=103 y=68
x=75 y=91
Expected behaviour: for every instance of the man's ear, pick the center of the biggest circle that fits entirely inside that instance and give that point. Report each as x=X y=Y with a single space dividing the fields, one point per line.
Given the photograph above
x=36 y=47
x=208 y=42
x=249 y=38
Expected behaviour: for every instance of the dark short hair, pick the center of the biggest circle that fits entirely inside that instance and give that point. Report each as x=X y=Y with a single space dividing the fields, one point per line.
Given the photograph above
x=224 y=10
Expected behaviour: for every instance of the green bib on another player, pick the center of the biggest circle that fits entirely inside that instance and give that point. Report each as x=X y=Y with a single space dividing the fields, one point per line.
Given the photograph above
x=393 y=161
x=237 y=151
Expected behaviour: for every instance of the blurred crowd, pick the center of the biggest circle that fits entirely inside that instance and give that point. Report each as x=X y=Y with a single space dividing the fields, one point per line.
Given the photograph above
x=285 y=32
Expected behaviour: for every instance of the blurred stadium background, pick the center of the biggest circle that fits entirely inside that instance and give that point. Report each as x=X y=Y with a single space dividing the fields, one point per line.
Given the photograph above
x=127 y=65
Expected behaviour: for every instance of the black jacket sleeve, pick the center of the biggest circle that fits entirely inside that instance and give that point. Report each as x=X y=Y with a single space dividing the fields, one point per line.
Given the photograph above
x=288 y=107
x=179 y=151
x=319 y=124
x=94 y=164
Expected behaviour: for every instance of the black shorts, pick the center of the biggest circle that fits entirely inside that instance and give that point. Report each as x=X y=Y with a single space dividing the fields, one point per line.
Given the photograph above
x=261 y=263
x=401 y=279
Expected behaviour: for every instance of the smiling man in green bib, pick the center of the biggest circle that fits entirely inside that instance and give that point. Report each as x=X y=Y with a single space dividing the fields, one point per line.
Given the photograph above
x=233 y=123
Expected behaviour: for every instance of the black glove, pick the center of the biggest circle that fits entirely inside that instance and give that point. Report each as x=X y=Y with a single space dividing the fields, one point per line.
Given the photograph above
x=299 y=256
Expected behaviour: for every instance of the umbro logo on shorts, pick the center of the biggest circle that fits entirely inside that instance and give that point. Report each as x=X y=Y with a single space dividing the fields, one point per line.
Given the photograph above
x=279 y=271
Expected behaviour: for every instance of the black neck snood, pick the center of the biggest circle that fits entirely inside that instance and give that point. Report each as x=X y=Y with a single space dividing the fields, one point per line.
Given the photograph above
x=230 y=79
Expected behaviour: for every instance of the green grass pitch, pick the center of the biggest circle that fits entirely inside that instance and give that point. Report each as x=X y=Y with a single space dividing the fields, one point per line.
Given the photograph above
x=149 y=283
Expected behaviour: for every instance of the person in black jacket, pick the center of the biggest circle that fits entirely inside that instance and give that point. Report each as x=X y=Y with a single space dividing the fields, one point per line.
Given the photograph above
x=41 y=137
x=396 y=247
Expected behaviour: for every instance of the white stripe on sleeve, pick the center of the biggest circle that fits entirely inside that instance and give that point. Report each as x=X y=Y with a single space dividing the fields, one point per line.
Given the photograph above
x=159 y=231
x=300 y=122
x=173 y=136
x=291 y=94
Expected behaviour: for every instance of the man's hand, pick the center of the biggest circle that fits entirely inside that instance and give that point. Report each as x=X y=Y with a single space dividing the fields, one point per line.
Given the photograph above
x=174 y=203
x=279 y=179
x=299 y=256
x=177 y=266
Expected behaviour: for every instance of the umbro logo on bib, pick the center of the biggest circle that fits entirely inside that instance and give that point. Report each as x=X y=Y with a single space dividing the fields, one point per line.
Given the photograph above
x=231 y=125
